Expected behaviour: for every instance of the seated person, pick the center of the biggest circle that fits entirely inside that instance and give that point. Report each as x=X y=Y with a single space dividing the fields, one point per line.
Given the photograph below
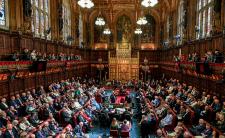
x=216 y=106
x=3 y=104
x=33 y=119
x=46 y=130
x=25 y=125
x=126 y=126
x=114 y=124
x=14 y=103
x=220 y=123
x=24 y=98
x=54 y=126
x=167 y=120
x=12 y=113
x=159 y=133
x=76 y=104
x=197 y=130
x=10 y=132
x=29 y=96
x=3 y=119
x=207 y=132
x=79 y=130
x=162 y=110
x=66 y=114
x=179 y=132
x=68 y=133
x=156 y=101
x=40 y=133
x=31 y=107
x=89 y=111
x=18 y=100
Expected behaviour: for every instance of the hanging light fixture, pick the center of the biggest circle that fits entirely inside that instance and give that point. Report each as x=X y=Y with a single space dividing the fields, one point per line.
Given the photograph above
x=107 y=31
x=142 y=21
x=138 y=31
x=100 y=20
x=149 y=3
x=85 y=4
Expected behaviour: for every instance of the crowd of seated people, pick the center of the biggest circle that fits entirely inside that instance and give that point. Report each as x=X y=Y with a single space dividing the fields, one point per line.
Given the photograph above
x=209 y=57
x=200 y=114
x=34 y=55
x=42 y=113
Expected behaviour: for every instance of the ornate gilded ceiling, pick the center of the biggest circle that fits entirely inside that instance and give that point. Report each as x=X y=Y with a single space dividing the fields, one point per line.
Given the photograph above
x=111 y=9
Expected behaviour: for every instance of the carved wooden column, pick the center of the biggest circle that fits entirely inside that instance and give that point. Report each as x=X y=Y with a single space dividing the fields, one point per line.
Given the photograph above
x=217 y=23
x=15 y=14
x=60 y=20
x=54 y=19
x=192 y=4
x=74 y=21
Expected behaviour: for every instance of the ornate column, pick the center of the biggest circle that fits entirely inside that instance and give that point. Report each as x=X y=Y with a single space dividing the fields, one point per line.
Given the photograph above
x=60 y=20
x=15 y=14
x=54 y=19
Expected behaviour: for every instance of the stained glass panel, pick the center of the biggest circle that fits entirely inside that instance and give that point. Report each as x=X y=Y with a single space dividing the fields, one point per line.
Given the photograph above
x=40 y=17
x=3 y=13
x=204 y=17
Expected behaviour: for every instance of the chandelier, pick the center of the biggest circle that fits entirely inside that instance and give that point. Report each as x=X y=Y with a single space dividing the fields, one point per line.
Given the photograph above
x=138 y=31
x=85 y=4
x=107 y=31
x=149 y=3
x=142 y=21
x=100 y=21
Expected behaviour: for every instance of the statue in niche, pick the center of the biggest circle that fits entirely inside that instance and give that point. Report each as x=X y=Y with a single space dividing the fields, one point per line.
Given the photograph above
x=123 y=29
x=27 y=8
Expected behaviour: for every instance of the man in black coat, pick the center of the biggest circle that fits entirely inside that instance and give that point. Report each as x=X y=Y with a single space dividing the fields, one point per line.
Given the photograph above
x=144 y=128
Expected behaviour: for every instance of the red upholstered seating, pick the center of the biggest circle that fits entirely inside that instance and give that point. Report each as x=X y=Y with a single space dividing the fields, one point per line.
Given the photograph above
x=114 y=133
x=86 y=117
x=125 y=134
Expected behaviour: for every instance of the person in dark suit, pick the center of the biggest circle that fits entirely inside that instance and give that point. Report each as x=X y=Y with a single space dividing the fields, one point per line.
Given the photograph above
x=12 y=113
x=24 y=97
x=39 y=133
x=9 y=132
x=112 y=98
x=207 y=132
x=66 y=115
x=187 y=115
x=47 y=132
x=33 y=119
x=78 y=131
x=13 y=102
x=18 y=100
x=197 y=130
x=144 y=128
x=204 y=114
x=216 y=106
x=15 y=128
x=3 y=104
x=3 y=118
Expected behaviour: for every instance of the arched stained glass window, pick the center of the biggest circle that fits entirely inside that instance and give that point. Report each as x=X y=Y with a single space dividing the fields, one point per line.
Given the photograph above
x=204 y=18
x=3 y=13
x=66 y=22
x=40 y=20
